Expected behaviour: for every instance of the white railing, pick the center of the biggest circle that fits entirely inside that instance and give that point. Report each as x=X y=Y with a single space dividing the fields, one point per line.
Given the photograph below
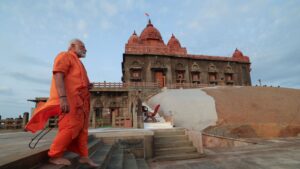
x=125 y=85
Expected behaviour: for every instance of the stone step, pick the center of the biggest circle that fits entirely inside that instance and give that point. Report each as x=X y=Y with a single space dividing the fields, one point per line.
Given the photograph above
x=116 y=161
x=175 y=129
x=181 y=156
x=184 y=143
x=169 y=133
x=142 y=164
x=91 y=137
x=176 y=150
x=101 y=156
x=166 y=139
x=130 y=161
x=92 y=146
x=159 y=125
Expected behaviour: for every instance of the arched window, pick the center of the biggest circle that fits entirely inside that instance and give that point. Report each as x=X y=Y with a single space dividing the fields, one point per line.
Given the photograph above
x=195 y=73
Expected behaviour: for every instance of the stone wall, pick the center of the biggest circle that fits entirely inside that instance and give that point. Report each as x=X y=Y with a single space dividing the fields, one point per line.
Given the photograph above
x=249 y=112
x=212 y=141
x=146 y=65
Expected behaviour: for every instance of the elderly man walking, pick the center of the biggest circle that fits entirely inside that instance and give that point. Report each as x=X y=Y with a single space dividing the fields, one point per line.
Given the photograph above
x=70 y=99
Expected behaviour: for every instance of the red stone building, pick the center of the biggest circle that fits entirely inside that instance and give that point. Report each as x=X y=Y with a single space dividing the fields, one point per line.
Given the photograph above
x=148 y=59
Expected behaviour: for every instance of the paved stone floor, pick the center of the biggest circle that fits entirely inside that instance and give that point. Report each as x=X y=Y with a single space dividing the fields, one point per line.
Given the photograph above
x=268 y=154
x=14 y=144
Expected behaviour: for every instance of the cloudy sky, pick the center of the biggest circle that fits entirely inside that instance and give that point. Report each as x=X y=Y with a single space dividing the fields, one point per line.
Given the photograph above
x=33 y=32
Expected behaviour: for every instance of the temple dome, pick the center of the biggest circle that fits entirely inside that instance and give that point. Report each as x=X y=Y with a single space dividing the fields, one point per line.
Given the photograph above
x=237 y=53
x=134 y=39
x=174 y=42
x=151 y=34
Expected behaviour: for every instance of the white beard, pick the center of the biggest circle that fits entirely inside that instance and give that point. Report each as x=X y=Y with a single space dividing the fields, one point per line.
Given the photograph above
x=81 y=54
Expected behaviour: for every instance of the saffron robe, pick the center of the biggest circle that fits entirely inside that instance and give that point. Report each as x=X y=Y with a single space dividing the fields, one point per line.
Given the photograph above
x=73 y=126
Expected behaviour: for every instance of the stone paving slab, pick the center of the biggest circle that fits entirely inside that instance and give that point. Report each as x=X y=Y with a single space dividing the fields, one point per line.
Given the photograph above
x=16 y=143
x=275 y=154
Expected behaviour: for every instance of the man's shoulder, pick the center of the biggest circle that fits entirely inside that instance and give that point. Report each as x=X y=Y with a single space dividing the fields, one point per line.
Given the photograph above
x=63 y=55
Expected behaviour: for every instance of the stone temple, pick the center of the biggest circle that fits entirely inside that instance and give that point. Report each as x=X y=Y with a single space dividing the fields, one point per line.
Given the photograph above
x=148 y=66
x=148 y=59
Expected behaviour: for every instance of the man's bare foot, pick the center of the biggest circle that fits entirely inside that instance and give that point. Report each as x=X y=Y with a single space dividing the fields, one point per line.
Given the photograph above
x=88 y=161
x=60 y=161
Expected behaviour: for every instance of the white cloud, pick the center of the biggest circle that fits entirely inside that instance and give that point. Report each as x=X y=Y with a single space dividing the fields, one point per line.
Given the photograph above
x=4 y=90
x=81 y=25
x=105 y=24
x=85 y=35
x=69 y=5
x=109 y=8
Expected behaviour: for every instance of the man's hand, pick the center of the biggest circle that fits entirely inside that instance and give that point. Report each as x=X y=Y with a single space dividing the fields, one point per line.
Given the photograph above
x=64 y=105
x=61 y=91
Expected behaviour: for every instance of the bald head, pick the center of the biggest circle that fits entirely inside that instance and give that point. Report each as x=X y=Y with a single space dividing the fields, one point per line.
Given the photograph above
x=77 y=46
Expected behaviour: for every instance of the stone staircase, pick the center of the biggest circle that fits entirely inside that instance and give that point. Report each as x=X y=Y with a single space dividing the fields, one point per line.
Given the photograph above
x=173 y=144
x=108 y=156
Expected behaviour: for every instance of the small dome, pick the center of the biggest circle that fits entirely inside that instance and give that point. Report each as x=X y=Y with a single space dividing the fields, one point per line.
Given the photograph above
x=150 y=33
x=174 y=42
x=134 y=39
x=237 y=53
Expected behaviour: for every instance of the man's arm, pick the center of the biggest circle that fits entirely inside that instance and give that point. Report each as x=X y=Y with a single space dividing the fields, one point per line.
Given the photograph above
x=61 y=90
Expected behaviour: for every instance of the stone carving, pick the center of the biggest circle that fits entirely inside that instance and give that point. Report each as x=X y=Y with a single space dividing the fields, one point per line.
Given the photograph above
x=179 y=66
x=195 y=67
x=228 y=69
x=212 y=68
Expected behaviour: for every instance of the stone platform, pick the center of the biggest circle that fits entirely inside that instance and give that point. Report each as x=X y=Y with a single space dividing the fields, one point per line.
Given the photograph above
x=281 y=153
x=14 y=145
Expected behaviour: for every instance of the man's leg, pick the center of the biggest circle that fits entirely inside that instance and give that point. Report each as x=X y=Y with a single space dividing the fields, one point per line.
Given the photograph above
x=68 y=130
x=82 y=148
x=59 y=145
x=80 y=144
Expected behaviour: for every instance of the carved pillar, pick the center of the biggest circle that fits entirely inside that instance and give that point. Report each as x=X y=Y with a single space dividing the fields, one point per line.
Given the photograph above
x=134 y=116
x=94 y=119
x=140 y=121
x=113 y=114
x=25 y=119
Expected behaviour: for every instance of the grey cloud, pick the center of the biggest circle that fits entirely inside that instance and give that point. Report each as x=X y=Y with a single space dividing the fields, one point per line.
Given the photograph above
x=44 y=92
x=29 y=78
x=30 y=60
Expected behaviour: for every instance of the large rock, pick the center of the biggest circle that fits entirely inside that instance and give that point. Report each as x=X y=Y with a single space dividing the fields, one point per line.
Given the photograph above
x=189 y=108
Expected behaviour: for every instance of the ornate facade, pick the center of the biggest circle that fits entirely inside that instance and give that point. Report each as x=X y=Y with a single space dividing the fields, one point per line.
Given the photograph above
x=148 y=59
